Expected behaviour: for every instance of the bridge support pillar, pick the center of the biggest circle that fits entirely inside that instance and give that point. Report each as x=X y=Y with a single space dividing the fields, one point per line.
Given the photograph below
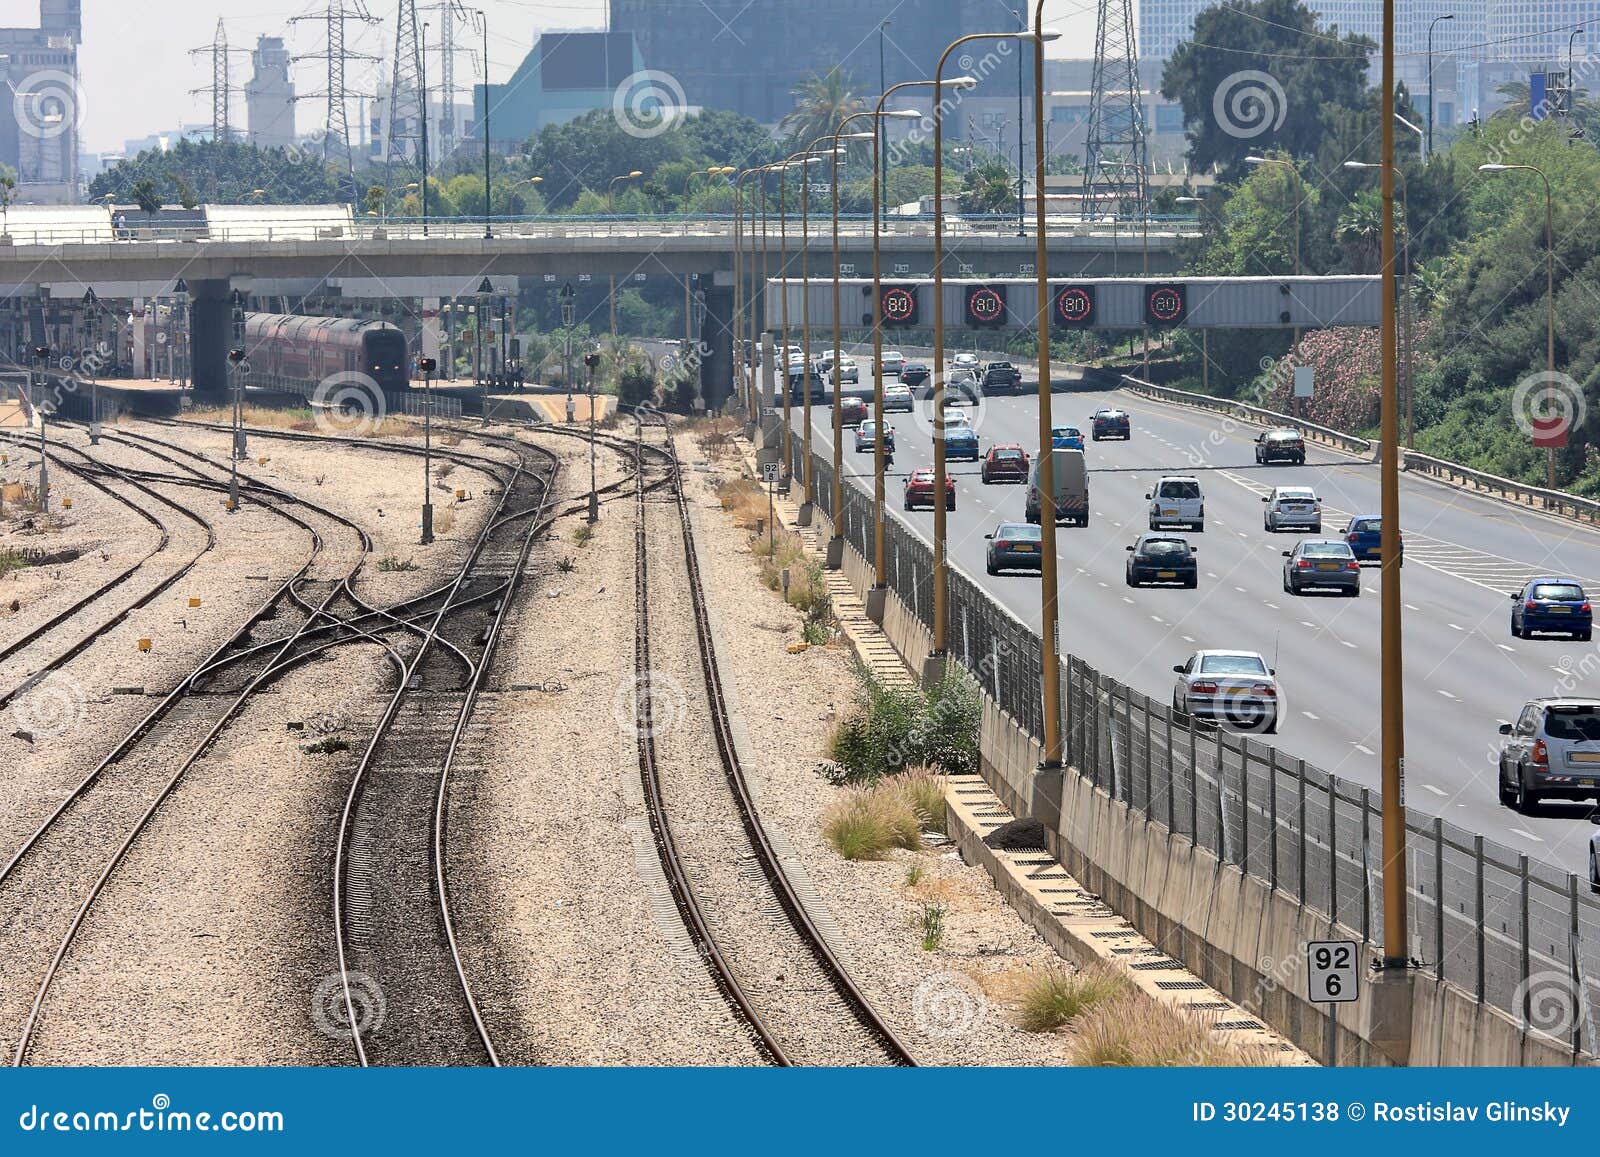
x=716 y=342
x=211 y=319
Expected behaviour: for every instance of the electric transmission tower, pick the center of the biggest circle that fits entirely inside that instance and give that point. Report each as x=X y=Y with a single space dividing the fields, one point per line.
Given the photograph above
x=337 y=129
x=1116 y=158
x=407 y=102
x=446 y=87
x=221 y=85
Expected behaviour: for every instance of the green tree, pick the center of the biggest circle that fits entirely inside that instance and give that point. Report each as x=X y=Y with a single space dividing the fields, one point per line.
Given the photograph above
x=1261 y=75
x=821 y=101
x=987 y=188
x=636 y=383
x=144 y=194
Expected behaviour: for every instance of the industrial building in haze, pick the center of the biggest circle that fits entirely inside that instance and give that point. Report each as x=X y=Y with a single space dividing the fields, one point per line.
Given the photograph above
x=40 y=104
x=269 y=96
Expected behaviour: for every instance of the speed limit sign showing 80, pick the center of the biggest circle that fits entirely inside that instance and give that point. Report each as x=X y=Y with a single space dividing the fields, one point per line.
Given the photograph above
x=1332 y=973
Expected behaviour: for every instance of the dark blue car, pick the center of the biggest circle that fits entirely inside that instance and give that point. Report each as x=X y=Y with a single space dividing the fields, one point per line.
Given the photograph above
x=961 y=442
x=1014 y=545
x=1556 y=605
x=1365 y=536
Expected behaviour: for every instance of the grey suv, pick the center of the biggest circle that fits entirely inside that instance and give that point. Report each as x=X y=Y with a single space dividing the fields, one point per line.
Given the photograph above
x=1552 y=751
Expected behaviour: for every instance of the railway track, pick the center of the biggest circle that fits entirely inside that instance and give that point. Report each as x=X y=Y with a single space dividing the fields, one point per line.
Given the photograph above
x=834 y=1008
x=393 y=925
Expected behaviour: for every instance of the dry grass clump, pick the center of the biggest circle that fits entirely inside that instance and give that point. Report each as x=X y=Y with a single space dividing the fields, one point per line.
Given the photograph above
x=1056 y=996
x=744 y=499
x=923 y=788
x=301 y=420
x=869 y=821
x=1134 y=1030
x=714 y=437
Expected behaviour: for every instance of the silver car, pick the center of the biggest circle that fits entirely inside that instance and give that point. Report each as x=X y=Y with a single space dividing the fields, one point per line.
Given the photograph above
x=1292 y=508
x=1552 y=751
x=1234 y=688
x=897 y=397
x=966 y=361
x=1321 y=562
x=849 y=373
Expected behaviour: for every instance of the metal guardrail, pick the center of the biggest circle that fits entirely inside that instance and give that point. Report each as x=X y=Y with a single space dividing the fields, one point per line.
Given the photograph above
x=1249 y=413
x=1519 y=935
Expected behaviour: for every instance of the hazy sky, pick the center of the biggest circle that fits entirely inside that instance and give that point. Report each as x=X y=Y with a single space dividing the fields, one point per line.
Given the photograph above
x=137 y=70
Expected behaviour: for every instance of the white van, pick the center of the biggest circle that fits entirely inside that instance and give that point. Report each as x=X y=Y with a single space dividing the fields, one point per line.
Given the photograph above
x=1070 y=478
x=1177 y=501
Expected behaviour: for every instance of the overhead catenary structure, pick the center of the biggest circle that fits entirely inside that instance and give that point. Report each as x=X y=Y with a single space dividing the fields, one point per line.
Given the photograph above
x=407 y=102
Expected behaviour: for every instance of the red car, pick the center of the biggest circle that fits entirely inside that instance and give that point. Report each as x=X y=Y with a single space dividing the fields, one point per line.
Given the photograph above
x=919 y=490
x=852 y=411
x=1005 y=463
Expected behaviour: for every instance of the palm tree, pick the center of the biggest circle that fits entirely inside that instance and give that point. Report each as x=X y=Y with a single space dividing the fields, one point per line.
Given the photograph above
x=1360 y=232
x=821 y=102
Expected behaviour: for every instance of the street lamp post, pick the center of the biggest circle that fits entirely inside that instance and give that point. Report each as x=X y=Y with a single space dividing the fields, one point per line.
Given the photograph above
x=805 y=301
x=427 y=366
x=483 y=23
x=941 y=578
x=1549 y=292
x=1205 y=333
x=422 y=79
x=611 y=189
x=800 y=161
x=1572 y=91
x=1432 y=104
x=1410 y=307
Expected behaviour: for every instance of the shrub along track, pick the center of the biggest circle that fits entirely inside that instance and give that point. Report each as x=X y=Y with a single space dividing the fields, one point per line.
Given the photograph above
x=831 y=1022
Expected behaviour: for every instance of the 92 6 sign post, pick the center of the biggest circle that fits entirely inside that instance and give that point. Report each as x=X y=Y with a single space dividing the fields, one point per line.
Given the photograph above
x=1332 y=971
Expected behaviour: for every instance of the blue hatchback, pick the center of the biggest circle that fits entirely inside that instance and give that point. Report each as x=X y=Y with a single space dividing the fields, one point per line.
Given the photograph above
x=1365 y=536
x=961 y=442
x=1066 y=437
x=1551 y=604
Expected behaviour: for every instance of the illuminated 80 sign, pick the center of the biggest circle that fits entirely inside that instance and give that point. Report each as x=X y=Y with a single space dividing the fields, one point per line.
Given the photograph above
x=1165 y=305
x=1074 y=307
x=899 y=305
x=986 y=305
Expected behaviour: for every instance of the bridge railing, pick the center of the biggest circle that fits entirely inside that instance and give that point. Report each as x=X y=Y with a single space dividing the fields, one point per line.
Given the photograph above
x=1520 y=935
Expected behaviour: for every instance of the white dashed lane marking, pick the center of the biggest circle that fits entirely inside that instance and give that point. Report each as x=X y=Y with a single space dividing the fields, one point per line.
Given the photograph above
x=1362 y=748
x=1525 y=835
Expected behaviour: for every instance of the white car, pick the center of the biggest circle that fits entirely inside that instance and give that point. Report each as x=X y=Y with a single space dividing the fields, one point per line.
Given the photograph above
x=1234 y=688
x=1177 y=501
x=849 y=373
x=1295 y=507
x=892 y=361
x=897 y=397
x=966 y=361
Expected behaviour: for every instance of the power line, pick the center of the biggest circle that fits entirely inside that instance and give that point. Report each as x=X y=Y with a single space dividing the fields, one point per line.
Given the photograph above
x=221 y=82
x=337 y=128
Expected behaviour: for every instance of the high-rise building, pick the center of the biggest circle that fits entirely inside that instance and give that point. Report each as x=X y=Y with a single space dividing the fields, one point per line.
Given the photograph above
x=269 y=96
x=41 y=102
x=732 y=54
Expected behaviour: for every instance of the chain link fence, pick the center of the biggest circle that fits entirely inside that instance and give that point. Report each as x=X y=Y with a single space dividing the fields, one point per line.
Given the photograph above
x=1519 y=934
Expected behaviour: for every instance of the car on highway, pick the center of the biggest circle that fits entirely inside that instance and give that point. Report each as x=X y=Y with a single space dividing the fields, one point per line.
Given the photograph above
x=1066 y=437
x=913 y=374
x=1110 y=423
x=797 y=390
x=1014 y=545
x=1292 y=508
x=867 y=437
x=919 y=489
x=853 y=411
x=1551 y=605
x=1552 y=751
x=1070 y=480
x=891 y=363
x=1162 y=558
x=1284 y=445
x=966 y=360
x=849 y=373
x=1321 y=562
x=961 y=384
x=1177 y=501
x=961 y=441
x=1235 y=688
x=1594 y=855
x=1001 y=378
x=1365 y=536
x=897 y=397
x=1007 y=462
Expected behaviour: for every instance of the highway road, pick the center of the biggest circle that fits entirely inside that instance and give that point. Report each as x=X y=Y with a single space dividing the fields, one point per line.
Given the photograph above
x=1464 y=673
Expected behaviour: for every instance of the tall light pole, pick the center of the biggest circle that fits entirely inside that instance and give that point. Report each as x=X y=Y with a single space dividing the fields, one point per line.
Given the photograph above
x=1205 y=333
x=1432 y=104
x=483 y=23
x=1395 y=936
x=835 y=556
x=1549 y=289
x=883 y=86
x=427 y=366
x=1290 y=165
x=485 y=291
x=941 y=578
x=1405 y=276
x=880 y=559
x=799 y=160
x=611 y=189
x=1022 y=27
x=1049 y=574
x=91 y=305
x=1572 y=91
x=422 y=80
x=805 y=299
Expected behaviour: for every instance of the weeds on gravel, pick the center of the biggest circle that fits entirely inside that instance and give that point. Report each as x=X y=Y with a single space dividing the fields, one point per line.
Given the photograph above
x=583 y=534
x=924 y=790
x=326 y=746
x=744 y=499
x=916 y=872
x=871 y=820
x=1056 y=996
x=566 y=564
x=892 y=728
x=715 y=438
x=390 y=563
x=932 y=926
x=1134 y=1030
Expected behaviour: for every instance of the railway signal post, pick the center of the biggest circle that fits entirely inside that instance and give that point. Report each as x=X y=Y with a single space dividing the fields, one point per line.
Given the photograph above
x=591 y=360
x=41 y=354
x=236 y=361
x=427 y=366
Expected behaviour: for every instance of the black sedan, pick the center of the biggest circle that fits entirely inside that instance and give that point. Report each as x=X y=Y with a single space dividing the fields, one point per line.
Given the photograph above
x=1162 y=558
x=1280 y=446
x=1109 y=423
x=913 y=374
